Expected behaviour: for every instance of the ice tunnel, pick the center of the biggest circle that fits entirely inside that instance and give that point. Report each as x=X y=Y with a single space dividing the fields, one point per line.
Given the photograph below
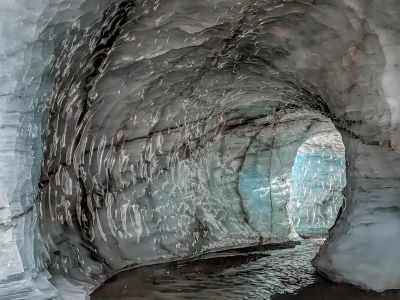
x=135 y=132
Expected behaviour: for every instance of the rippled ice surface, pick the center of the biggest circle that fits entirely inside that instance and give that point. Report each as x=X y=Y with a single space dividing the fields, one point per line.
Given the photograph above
x=232 y=275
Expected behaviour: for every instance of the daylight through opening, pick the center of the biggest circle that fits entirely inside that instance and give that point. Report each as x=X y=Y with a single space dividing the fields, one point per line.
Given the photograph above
x=318 y=178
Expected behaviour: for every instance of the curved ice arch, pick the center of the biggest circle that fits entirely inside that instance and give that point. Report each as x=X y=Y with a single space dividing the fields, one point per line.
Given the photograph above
x=336 y=57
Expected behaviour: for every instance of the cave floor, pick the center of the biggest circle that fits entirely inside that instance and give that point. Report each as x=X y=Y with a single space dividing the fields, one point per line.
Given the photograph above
x=276 y=274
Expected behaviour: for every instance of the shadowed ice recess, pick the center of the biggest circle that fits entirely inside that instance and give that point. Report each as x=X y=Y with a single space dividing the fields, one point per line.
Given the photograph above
x=145 y=132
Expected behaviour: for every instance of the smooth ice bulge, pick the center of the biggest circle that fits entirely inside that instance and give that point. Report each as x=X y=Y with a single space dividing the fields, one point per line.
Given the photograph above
x=136 y=132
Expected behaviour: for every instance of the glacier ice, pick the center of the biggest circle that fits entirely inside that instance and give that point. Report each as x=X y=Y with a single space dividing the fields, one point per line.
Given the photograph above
x=134 y=132
x=28 y=33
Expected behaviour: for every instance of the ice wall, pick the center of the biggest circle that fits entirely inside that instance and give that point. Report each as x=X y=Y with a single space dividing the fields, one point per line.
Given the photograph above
x=318 y=178
x=169 y=128
x=30 y=33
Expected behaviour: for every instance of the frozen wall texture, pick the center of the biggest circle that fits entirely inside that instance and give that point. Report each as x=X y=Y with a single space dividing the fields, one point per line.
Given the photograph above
x=138 y=131
x=31 y=31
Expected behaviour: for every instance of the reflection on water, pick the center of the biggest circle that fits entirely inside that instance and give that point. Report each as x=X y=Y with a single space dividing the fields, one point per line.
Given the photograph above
x=324 y=290
x=258 y=274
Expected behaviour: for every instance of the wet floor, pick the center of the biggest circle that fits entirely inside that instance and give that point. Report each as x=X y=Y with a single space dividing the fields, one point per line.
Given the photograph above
x=276 y=274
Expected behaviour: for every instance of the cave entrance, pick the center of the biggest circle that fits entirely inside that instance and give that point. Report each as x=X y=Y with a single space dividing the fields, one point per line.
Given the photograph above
x=317 y=180
x=293 y=173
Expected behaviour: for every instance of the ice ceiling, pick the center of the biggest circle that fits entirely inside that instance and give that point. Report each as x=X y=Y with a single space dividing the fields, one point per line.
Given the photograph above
x=139 y=131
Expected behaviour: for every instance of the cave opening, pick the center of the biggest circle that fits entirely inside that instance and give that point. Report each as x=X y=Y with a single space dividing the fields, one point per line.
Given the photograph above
x=317 y=180
x=292 y=176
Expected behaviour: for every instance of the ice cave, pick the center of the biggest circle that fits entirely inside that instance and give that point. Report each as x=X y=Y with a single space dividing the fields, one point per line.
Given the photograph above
x=208 y=149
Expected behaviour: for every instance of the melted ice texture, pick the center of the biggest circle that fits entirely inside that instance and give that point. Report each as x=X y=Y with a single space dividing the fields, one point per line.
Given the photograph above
x=136 y=132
